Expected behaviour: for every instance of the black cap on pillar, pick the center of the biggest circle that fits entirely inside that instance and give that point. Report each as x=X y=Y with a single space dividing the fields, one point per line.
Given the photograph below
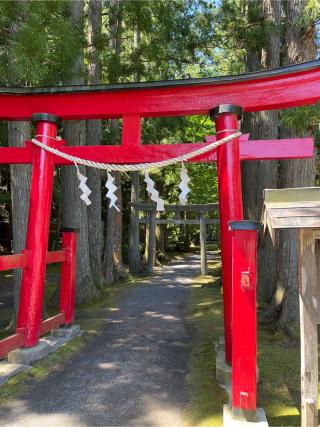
x=226 y=108
x=46 y=117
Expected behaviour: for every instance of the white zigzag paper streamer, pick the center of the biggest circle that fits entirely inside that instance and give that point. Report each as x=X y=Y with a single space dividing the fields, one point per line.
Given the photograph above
x=110 y=194
x=84 y=188
x=154 y=194
x=185 y=190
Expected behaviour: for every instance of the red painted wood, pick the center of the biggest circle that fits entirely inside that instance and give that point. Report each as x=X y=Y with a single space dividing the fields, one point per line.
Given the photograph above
x=68 y=276
x=249 y=150
x=272 y=149
x=230 y=209
x=275 y=92
x=8 y=262
x=55 y=256
x=10 y=343
x=51 y=323
x=32 y=284
x=131 y=131
x=244 y=322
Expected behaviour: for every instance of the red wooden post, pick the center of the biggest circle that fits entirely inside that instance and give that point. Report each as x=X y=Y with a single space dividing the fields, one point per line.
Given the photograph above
x=32 y=284
x=244 y=324
x=68 y=275
x=230 y=202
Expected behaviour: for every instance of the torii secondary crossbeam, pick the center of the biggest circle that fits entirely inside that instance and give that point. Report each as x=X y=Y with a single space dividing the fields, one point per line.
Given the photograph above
x=222 y=98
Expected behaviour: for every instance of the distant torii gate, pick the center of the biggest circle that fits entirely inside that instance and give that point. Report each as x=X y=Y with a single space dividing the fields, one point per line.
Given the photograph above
x=288 y=87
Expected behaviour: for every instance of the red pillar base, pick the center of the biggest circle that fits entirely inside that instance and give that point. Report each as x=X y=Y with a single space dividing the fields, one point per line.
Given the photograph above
x=244 y=322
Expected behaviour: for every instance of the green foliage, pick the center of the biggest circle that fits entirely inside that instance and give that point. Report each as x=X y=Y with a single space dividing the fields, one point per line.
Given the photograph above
x=38 y=44
x=302 y=119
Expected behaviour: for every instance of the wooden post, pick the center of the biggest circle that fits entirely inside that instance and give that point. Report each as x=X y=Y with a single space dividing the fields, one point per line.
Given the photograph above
x=203 y=248
x=134 y=244
x=244 y=318
x=152 y=241
x=308 y=296
x=317 y=255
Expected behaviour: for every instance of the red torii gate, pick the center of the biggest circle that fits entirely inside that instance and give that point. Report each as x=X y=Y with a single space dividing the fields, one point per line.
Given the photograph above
x=275 y=89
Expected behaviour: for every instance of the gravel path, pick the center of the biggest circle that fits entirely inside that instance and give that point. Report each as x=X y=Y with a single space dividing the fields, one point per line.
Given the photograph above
x=131 y=375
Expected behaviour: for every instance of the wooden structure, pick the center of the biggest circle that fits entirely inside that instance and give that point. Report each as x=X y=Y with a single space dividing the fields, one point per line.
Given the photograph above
x=244 y=328
x=151 y=220
x=299 y=208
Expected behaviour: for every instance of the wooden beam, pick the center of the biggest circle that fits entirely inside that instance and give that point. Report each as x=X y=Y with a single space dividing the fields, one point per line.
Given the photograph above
x=267 y=90
x=317 y=257
x=203 y=244
x=132 y=152
x=308 y=298
x=171 y=221
x=152 y=242
x=206 y=207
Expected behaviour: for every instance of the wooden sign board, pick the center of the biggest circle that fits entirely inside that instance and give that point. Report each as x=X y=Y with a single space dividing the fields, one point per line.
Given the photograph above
x=299 y=208
x=291 y=208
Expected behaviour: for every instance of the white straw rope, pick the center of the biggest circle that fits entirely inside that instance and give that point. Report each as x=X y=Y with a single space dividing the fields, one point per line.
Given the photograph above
x=137 y=166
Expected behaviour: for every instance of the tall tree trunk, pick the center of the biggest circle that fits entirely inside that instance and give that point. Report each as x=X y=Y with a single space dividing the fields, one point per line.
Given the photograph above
x=94 y=137
x=113 y=245
x=20 y=177
x=300 y=47
x=258 y=175
x=135 y=264
x=18 y=132
x=74 y=209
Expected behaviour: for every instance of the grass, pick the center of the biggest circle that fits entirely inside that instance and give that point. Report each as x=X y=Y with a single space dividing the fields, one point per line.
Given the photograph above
x=278 y=361
x=206 y=397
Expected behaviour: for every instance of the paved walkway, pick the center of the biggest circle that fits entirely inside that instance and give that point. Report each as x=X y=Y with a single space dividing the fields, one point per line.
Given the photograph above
x=131 y=375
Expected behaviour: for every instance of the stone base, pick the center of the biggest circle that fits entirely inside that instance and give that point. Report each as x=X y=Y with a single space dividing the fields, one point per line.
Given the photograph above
x=67 y=332
x=241 y=421
x=7 y=370
x=47 y=345
x=223 y=370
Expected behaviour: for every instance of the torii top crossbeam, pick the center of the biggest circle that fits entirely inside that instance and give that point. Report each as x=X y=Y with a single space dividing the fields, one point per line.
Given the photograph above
x=265 y=90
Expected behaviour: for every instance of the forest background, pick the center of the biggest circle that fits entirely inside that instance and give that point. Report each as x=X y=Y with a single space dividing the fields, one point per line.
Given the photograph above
x=51 y=43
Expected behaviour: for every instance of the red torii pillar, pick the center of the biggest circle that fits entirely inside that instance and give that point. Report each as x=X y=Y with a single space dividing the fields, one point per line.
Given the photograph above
x=230 y=203
x=33 y=276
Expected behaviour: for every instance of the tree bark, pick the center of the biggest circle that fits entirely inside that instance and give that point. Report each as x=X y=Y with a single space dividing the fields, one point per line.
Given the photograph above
x=94 y=137
x=74 y=209
x=18 y=132
x=113 y=245
x=258 y=175
x=135 y=264
x=20 y=178
x=300 y=47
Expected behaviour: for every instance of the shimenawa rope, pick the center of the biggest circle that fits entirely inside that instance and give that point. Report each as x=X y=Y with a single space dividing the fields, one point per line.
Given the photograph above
x=138 y=166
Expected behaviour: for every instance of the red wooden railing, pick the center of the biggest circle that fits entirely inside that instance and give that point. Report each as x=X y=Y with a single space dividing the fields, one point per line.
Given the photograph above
x=67 y=258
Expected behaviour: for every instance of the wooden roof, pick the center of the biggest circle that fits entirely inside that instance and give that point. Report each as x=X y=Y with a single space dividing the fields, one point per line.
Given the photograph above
x=291 y=208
